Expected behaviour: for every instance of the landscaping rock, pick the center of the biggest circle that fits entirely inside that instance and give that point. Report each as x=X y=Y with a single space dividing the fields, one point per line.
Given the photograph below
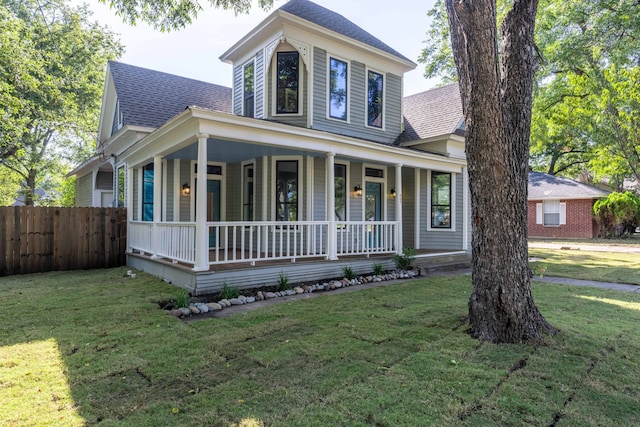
x=214 y=306
x=185 y=311
x=236 y=301
x=270 y=295
x=298 y=290
x=249 y=300
x=177 y=312
x=194 y=309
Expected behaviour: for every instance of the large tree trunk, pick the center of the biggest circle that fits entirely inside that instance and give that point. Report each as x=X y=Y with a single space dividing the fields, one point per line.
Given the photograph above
x=496 y=92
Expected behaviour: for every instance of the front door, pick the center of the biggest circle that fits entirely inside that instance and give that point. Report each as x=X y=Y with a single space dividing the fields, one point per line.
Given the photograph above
x=373 y=211
x=213 y=206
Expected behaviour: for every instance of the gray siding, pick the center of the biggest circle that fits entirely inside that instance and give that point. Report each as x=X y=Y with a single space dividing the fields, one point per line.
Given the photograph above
x=357 y=95
x=104 y=180
x=408 y=207
x=234 y=192
x=237 y=90
x=391 y=203
x=258 y=188
x=356 y=208
x=185 y=201
x=450 y=240
x=259 y=85
x=319 y=189
x=84 y=190
x=171 y=189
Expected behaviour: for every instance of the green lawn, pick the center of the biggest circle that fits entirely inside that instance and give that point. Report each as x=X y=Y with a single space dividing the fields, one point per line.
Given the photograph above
x=80 y=348
x=600 y=266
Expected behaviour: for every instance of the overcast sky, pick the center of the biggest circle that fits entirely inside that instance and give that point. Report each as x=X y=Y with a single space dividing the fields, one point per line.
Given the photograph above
x=194 y=51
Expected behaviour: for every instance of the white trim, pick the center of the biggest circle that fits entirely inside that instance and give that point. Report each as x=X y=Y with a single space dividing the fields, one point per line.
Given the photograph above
x=347 y=183
x=223 y=180
x=416 y=208
x=383 y=181
x=328 y=93
x=243 y=186
x=366 y=98
x=301 y=185
x=310 y=173
x=265 y=189
x=453 y=218
x=140 y=191
x=563 y=213
x=252 y=61
x=539 y=214
x=165 y=190
x=274 y=82
x=466 y=207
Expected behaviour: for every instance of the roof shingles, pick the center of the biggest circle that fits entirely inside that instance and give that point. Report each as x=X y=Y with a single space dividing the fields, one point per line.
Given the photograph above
x=150 y=98
x=544 y=186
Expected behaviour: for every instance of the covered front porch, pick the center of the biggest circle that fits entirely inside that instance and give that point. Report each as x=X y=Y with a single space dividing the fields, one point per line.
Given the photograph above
x=280 y=199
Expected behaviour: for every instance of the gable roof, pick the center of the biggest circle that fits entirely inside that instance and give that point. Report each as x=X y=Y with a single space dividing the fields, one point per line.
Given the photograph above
x=544 y=186
x=150 y=98
x=333 y=21
x=432 y=113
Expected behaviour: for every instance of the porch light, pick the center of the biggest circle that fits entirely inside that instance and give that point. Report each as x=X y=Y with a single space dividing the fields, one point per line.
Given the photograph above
x=392 y=193
x=186 y=189
x=358 y=190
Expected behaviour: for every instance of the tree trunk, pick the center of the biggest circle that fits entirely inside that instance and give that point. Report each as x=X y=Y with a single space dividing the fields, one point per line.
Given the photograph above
x=496 y=95
x=30 y=188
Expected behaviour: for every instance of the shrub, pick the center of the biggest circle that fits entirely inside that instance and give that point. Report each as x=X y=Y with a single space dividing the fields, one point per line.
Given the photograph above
x=404 y=261
x=618 y=214
x=348 y=272
x=229 y=292
x=183 y=298
x=283 y=282
x=377 y=269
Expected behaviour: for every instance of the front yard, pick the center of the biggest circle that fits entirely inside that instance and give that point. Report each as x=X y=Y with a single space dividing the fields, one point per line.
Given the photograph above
x=92 y=347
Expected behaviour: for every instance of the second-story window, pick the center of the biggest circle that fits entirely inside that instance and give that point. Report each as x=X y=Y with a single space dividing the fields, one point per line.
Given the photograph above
x=375 y=92
x=288 y=76
x=248 y=96
x=337 y=89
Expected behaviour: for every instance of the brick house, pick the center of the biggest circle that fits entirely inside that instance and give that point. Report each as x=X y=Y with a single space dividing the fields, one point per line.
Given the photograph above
x=561 y=208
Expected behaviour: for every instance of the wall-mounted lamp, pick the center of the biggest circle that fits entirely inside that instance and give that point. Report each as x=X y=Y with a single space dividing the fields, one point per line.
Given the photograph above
x=358 y=190
x=392 y=193
x=186 y=189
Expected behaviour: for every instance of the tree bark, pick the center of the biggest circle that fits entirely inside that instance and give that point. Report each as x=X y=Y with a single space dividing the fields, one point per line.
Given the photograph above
x=496 y=90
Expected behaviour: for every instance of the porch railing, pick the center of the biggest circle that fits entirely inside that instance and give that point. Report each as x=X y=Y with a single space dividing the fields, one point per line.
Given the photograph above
x=261 y=241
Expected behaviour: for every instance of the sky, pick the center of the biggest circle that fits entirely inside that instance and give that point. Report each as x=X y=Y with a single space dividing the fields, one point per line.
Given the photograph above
x=194 y=51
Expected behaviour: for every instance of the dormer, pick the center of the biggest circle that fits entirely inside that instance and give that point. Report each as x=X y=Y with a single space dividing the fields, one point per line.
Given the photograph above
x=308 y=66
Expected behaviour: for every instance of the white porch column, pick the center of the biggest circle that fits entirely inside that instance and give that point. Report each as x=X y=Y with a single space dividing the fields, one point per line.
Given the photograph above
x=332 y=238
x=157 y=204
x=466 y=217
x=399 y=207
x=129 y=204
x=202 y=232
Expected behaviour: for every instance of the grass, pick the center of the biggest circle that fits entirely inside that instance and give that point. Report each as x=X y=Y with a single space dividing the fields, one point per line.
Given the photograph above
x=600 y=266
x=92 y=347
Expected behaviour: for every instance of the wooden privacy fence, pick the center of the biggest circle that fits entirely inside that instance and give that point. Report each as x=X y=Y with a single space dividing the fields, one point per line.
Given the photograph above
x=39 y=239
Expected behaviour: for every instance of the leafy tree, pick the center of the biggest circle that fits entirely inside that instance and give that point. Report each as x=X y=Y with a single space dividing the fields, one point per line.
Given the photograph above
x=51 y=74
x=166 y=15
x=619 y=213
x=496 y=90
x=583 y=45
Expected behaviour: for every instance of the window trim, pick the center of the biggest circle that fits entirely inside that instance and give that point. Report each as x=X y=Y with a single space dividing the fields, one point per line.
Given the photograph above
x=223 y=187
x=243 y=165
x=274 y=91
x=454 y=178
x=562 y=213
x=242 y=85
x=274 y=186
x=148 y=166
x=366 y=99
x=347 y=119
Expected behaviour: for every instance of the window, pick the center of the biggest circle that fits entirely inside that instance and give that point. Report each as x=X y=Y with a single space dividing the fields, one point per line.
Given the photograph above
x=551 y=209
x=247 y=192
x=121 y=176
x=440 y=200
x=248 y=96
x=288 y=75
x=374 y=173
x=337 y=89
x=375 y=90
x=341 y=192
x=211 y=169
x=287 y=190
x=147 y=192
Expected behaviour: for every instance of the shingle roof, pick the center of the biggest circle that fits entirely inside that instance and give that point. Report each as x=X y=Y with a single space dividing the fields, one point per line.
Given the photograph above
x=435 y=112
x=545 y=186
x=150 y=98
x=335 y=22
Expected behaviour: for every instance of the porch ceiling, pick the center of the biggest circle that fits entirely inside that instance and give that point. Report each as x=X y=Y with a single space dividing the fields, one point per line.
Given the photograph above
x=220 y=150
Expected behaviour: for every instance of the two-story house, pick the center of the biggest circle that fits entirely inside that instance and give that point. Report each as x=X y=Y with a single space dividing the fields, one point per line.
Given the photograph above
x=311 y=161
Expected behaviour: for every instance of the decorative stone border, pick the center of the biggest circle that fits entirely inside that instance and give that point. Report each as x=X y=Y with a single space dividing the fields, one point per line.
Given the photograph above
x=197 y=308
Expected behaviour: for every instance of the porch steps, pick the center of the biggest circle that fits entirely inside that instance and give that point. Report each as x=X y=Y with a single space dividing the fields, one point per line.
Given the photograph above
x=443 y=262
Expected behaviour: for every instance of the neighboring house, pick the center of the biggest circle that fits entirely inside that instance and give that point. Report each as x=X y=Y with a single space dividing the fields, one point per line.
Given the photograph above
x=312 y=155
x=561 y=208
